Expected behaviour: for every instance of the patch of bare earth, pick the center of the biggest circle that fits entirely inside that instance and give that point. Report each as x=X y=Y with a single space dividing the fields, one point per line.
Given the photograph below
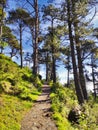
x=39 y=117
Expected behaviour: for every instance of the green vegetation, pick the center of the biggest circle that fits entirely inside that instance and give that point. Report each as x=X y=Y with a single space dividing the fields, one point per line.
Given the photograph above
x=63 y=101
x=12 y=110
x=71 y=38
x=17 y=93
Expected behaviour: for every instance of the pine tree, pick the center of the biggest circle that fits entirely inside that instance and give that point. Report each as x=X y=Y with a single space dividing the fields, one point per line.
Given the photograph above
x=51 y=14
x=76 y=76
x=2 y=15
x=76 y=21
x=19 y=16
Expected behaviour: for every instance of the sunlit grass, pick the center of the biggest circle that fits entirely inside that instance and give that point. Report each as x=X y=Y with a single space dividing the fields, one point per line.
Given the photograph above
x=19 y=88
x=12 y=110
x=63 y=100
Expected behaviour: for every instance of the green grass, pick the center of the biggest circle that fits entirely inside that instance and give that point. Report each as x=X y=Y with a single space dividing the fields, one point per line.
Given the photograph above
x=12 y=110
x=19 y=88
x=63 y=100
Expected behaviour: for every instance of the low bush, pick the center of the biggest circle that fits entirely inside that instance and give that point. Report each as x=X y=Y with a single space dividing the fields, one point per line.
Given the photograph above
x=17 y=81
x=64 y=100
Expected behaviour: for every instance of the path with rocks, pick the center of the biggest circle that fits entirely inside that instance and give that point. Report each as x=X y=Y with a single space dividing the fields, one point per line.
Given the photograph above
x=39 y=117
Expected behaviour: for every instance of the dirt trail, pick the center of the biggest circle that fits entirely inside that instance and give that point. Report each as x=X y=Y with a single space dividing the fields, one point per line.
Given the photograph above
x=39 y=117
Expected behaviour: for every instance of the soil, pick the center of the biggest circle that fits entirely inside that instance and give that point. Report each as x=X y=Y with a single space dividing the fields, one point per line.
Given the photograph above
x=39 y=117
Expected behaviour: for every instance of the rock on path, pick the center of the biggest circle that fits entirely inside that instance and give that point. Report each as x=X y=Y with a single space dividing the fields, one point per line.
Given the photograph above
x=39 y=117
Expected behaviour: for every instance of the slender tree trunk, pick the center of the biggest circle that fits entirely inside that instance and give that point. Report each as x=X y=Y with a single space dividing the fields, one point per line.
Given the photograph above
x=78 y=49
x=93 y=77
x=0 y=31
x=21 y=51
x=76 y=77
x=46 y=72
x=35 y=63
x=1 y=24
x=47 y=67
x=12 y=51
x=54 y=69
x=53 y=57
x=2 y=49
x=81 y=73
x=68 y=69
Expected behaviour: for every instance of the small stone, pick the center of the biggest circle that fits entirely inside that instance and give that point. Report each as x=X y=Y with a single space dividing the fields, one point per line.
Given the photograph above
x=34 y=124
x=34 y=128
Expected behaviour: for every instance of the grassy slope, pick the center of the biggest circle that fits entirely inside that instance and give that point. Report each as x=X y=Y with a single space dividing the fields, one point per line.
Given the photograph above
x=17 y=93
x=12 y=110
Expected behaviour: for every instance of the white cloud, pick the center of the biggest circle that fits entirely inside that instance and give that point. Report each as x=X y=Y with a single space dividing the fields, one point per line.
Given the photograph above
x=58 y=1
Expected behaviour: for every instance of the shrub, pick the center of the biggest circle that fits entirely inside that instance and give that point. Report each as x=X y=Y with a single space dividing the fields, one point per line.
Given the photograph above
x=64 y=100
x=5 y=86
x=17 y=81
x=89 y=117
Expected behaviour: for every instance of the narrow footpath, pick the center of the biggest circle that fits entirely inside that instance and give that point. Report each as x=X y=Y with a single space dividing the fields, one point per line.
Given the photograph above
x=39 y=117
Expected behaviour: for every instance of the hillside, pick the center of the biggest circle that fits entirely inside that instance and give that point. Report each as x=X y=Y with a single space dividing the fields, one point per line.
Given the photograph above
x=17 y=93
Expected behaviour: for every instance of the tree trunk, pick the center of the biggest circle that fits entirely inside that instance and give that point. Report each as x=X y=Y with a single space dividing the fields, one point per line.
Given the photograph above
x=35 y=61
x=68 y=71
x=21 y=53
x=1 y=24
x=76 y=77
x=93 y=77
x=53 y=57
x=47 y=67
x=78 y=49
x=54 y=69
x=81 y=73
x=0 y=31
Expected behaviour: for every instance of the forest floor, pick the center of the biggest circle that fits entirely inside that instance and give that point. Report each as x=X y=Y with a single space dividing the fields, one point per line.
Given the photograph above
x=39 y=117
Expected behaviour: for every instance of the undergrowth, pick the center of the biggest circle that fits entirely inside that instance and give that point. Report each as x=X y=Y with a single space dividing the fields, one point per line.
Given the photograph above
x=17 y=81
x=63 y=100
x=19 y=88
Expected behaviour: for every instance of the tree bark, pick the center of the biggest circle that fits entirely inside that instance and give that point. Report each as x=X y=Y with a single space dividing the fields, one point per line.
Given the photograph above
x=76 y=77
x=54 y=69
x=35 y=61
x=21 y=50
x=53 y=57
x=80 y=67
x=78 y=49
x=47 y=67
x=68 y=71
x=1 y=24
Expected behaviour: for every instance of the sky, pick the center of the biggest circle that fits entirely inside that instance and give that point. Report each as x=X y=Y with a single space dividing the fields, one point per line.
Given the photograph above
x=61 y=71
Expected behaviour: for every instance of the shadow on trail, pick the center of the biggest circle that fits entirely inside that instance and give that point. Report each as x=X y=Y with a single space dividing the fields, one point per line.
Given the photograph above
x=42 y=101
x=45 y=92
